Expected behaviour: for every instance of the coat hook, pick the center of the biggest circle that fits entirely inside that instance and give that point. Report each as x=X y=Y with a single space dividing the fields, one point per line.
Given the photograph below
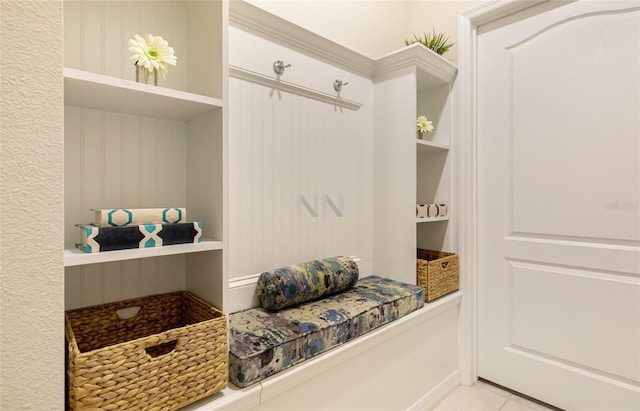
x=337 y=85
x=278 y=67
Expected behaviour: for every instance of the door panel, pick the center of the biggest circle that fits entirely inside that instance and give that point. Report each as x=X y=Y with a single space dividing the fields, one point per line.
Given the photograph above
x=558 y=195
x=557 y=312
x=566 y=86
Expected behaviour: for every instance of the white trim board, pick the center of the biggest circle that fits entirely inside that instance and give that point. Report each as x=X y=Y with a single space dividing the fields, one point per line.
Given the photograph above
x=414 y=55
x=279 y=84
x=466 y=110
x=438 y=393
x=268 y=26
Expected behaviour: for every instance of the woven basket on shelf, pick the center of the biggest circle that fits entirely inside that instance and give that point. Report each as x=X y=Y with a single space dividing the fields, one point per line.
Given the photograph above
x=172 y=352
x=437 y=273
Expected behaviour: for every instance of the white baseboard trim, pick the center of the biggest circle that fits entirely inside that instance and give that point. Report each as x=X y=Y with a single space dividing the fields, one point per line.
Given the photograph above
x=438 y=393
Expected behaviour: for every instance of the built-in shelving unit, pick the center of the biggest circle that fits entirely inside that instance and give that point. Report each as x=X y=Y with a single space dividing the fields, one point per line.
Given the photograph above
x=412 y=82
x=133 y=145
x=434 y=169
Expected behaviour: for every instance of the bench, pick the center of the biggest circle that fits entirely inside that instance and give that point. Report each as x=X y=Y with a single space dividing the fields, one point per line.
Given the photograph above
x=265 y=341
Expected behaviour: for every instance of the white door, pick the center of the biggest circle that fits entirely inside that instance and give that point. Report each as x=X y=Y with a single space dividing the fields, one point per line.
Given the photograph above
x=558 y=194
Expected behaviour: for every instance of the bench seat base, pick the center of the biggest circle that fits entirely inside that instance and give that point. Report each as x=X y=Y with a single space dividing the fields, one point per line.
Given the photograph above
x=263 y=343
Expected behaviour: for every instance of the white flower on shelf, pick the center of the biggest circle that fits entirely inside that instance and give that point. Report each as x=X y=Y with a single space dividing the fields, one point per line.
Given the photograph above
x=153 y=53
x=423 y=125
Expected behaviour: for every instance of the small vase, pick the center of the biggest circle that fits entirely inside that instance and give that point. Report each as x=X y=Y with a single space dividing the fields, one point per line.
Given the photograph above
x=145 y=76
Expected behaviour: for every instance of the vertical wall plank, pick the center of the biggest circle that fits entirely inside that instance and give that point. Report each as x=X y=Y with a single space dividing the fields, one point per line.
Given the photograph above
x=130 y=279
x=73 y=148
x=114 y=40
x=171 y=273
x=112 y=152
x=172 y=149
x=147 y=162
x=73 y=33
x=129 y=151
x=148 y=276
x=111 y=195
x=73 y=288
x=92 y=162
x=264 y=170
x=92 y=285
x=130 y=27
x=93 y=37
x=111 y=282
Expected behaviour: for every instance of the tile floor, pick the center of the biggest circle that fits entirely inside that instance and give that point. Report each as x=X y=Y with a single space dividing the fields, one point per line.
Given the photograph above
x=486 y=397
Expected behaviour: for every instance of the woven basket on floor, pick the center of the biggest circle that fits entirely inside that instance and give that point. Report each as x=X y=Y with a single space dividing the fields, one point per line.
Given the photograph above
x=437 y=273
x=172 y=352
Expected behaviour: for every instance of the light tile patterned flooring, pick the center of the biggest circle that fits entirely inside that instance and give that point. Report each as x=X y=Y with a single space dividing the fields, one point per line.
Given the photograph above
x=486 y=397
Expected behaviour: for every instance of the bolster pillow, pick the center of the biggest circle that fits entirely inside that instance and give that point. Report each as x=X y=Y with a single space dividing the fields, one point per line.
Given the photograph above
x=287 y=286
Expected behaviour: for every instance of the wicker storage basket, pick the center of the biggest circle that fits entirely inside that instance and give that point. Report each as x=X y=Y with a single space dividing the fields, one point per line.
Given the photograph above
x=172 y=352
x=437 y=273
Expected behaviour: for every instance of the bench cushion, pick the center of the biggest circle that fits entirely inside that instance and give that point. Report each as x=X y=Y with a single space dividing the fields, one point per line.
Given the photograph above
x=296 y=284
x=263 y=343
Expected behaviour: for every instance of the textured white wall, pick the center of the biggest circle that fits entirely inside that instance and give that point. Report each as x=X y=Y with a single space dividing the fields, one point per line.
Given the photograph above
x=31 y=204
x=372 y=27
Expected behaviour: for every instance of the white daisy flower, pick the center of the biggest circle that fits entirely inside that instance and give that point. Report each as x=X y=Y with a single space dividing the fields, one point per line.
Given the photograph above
x=152 y=53
x=423 y=125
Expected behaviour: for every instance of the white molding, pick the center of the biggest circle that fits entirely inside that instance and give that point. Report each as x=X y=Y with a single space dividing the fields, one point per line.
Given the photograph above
x=466 y=108
x=246 y=281
x=496 y=9
x=438 y=393
x=419 y=56
x=279 y=84
x=271 y=27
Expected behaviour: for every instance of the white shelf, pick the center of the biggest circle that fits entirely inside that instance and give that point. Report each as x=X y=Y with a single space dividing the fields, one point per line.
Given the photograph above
x=75 y=256
x=97 y=91
x=432 y=219
x=425 y=145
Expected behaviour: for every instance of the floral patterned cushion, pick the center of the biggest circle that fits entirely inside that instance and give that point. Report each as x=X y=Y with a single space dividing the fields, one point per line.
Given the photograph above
x=263 y=343
x=296 y=284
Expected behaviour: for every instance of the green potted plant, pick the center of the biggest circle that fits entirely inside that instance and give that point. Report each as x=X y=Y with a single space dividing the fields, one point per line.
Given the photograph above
x=437 y=42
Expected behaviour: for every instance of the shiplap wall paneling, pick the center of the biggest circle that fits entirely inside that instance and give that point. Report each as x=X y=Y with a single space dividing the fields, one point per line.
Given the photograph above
x=302 y=188
x=434 y=168
x=114 y=160
x=120 y=161
x=96 y=35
